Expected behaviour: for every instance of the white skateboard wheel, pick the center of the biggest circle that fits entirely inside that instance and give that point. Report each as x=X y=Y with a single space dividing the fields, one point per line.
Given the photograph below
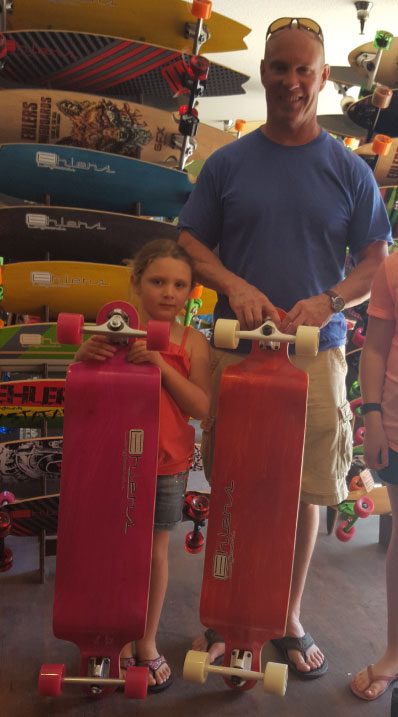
x=307 y=341
x=275 y=678
x=195 y=666
x=225 y=334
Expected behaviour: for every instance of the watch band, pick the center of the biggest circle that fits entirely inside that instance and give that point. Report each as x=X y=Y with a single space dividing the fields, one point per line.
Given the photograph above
x=367 y=407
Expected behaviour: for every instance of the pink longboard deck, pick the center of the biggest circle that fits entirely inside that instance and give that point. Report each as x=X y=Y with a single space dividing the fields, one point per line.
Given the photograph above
x=108 y=486
x=254 y=500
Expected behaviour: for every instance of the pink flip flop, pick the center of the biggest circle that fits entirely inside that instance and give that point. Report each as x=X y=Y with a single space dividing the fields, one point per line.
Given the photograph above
x=372 y=678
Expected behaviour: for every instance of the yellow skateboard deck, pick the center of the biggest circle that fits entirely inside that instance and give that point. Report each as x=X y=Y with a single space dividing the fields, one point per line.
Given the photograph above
x=159 y=22
x=94 y=122
x=71 y=286
x=387 y=73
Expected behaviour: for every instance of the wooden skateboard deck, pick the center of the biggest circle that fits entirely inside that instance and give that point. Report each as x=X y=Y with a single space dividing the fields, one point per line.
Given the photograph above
x=27 y=461
x=26 y=417
x=30 y=233
x=385 y=167
x=30 y=516
x=346 y=76
x=153 y=21
x=115 y=66
x=92 y=122
x=62 y=286
x=341 y=125
x=364 y=114
x=114 y=471
x=254 y=501
x=387 y=73
x=85 y=178
x=18 y=398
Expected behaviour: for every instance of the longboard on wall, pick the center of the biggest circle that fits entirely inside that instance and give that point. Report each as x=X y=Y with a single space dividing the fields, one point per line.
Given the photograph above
x=93 y=122
x=154 y=21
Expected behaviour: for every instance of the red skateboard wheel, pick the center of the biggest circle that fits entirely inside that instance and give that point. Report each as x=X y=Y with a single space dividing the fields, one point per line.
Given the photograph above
x=358 y=338
x=194 y=543
x=364 y=507
x=50 y=680
x=5 y=524
x=342 y=535
x=6 y=560
x=359 y=436
x=136 y=685
x=69 y=329
x=201 y=9
x=158 y=335
x=6 y=497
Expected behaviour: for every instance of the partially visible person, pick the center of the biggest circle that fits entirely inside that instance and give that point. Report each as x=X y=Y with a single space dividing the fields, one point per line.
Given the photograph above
x=282 y=204
x=162 y=276
x=379 y=390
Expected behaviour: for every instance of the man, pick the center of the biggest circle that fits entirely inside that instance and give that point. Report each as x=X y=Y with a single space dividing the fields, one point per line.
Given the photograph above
x=282 y=204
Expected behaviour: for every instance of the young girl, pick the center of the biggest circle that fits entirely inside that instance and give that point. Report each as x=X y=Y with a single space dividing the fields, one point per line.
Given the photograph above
x=162 y=276
x=379 y=388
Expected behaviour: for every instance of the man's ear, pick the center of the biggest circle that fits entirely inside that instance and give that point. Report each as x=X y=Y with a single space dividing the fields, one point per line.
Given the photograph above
x=262 y=70
x=325 y=76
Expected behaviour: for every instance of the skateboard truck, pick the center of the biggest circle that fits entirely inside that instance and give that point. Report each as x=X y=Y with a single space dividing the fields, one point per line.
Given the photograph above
x=227 y=335
x=6 y=6
x=352 y=510
x=52 y=679
x=197 y=31
x=197 y=667
x=196 y=508
x=371 y=61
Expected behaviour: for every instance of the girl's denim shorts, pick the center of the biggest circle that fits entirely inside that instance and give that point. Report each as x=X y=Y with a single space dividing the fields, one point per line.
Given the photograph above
x=170 y=494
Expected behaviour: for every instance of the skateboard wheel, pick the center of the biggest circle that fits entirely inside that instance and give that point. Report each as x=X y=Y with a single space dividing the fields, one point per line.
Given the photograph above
x=307 y=341
x=381 y=144
x=5 y=524
x=50 y=680
x=195 y=666
x=194 y=543
x=364 y=507
x=382 y=97
x=358 y=338
x=356 y=483
x=196 y=507
x=201 y=9
x=69 y=329
x=351 y=142
x=359 y=436
x=275 y=678
x=6 y=561
x=158 y=335
x=6 y=497
x=240 y=125
x=342 y=535
x=136 y=685
x=225 y=334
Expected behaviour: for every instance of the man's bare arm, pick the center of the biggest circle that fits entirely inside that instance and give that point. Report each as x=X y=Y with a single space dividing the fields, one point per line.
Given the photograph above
x=249 y=304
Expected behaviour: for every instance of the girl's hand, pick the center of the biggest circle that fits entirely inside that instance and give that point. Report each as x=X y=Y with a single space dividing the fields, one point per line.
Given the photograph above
x=139 y=353
x=375 y=446
x=96 y=348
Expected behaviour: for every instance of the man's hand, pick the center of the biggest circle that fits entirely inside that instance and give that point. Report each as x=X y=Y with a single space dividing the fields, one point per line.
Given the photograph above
x=251 y=306
x=314 y=311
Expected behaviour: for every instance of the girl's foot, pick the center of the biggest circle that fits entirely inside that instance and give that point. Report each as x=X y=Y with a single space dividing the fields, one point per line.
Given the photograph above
x=160 y=677
x=372 y=682
x=212 y=643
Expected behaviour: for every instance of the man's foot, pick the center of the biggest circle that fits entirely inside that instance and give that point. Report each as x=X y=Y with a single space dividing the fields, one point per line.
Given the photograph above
x=160 y=676
x=302 y=655
x=373 y=681
x=212 y=643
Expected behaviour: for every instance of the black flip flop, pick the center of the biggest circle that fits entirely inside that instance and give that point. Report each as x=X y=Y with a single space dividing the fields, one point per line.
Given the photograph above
x=302 y=644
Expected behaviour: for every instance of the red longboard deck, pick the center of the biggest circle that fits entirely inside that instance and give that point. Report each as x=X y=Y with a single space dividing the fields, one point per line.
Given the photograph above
x=254 y=500
x=108 y=486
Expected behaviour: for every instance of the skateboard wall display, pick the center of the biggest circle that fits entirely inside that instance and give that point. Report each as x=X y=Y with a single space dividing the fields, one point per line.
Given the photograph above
x=27 y=461
x=363 y=57
x=114 y=66
x=99 y=442
x=30 y=345
x=30 y=233
x=374 y=118
x=245 y=591
x=20 y=397
x=73 y=177
x=107 y=125
x=152 y=21
x=26 y=517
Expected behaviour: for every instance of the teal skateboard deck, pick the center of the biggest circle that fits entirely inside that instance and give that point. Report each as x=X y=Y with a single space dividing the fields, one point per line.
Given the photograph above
x=91 y=180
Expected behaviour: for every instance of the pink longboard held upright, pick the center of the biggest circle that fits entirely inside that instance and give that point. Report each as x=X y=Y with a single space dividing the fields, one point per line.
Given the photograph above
x=108 y=486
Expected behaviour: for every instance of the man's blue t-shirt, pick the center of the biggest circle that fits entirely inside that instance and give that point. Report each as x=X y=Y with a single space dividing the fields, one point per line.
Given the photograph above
x=282 y=217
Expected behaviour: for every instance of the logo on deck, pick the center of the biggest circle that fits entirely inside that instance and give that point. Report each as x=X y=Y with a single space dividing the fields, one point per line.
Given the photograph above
x=224 y=557
x=43 y=222
x=52 y=161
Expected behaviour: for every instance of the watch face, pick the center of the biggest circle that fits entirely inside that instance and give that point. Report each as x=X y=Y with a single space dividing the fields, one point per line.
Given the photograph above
x=338 y=303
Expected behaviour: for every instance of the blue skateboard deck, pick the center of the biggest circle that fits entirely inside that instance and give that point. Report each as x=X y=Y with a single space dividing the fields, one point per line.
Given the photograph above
x=91 y=180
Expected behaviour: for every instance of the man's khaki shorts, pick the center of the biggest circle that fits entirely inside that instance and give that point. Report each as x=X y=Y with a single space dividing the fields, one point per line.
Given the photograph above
x=328 y=437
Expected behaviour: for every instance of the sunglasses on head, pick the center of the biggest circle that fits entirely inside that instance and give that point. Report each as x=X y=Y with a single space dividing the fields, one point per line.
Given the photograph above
x=302 y=22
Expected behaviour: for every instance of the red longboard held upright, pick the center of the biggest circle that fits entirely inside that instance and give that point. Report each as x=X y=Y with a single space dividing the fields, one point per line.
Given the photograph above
x=254 y=503
x=108 y=486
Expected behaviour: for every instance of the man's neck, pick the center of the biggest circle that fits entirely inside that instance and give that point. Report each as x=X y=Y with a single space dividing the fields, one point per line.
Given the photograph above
x=288 y=136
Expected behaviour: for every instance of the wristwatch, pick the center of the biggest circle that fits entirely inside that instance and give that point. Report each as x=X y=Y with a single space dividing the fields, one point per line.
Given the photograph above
x=337 y=302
